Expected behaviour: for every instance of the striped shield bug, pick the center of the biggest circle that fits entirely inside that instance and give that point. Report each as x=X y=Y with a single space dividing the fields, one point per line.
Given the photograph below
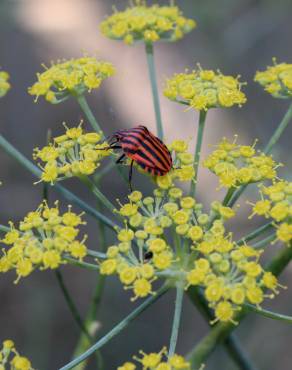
x=143 y=148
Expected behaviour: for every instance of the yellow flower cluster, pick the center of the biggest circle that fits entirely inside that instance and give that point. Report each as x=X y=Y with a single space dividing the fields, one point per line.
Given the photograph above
x=147 y=219
x=277 y=80
x=204 y=89
x=236 y=165
x=147 y=23
x=73 y=154
x=276 y=204
x=157 y=361
x=229 y=274
x=4 y=84
x=10 y=359
x=182 y=170
x=72 y=77
x=43 y=240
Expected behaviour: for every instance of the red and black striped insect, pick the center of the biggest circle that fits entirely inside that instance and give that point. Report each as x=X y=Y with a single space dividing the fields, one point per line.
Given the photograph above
x=143 y=148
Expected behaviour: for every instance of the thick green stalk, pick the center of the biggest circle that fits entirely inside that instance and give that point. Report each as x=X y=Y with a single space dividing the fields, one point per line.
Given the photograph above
x=236 y=352
x=279 y=131
x=88 y=113
x=220 y=332
x=117 y=329
x=154 y=89
x=71 y=197
x=176 y=319
x=269 y=314
x=200 y=133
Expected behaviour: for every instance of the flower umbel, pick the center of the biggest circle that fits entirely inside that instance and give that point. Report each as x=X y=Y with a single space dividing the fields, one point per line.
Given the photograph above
x=236 y=165
x=43 y=240
x=4 y=84
x=74 y=153
x=157 y=361
x=10 y=359
x=204 y=89
x=275 y=203
x=147 y=23
x=72 y=77
x=276 y=80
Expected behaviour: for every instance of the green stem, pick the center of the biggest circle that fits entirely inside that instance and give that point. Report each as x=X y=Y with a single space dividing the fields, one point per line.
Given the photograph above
x=237 y=353
x=220 y=332
x=228 y=196
x=269 y=314
x=97 y=193
x=91 y=319
x=264 y=242
x=86 y=265
x=5 y=229
x=96 y=254
x=154 y=89
x=200 y=133
x=71 y=197
x=255 y=233
x=176 y=319
x=71 y=305
x=117 y=329
x=88 y=113
x=279 y=131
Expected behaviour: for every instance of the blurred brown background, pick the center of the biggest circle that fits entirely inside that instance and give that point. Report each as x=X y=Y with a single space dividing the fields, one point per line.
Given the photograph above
x=237 y=36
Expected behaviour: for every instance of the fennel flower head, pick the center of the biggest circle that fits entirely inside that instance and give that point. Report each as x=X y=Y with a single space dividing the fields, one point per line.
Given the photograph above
x=204 y=89
x=10 y=359
x=4 y=84
x=71 y=77
x=141 y=22
x=276 y=80
x=43 y=240
x=75 y=153
x=157 y=361
x=276 y=204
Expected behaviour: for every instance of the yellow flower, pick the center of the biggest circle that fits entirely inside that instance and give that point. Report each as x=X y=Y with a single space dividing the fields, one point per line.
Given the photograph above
x=4 y=84
x=9 y=355
x=147 y=23
x=234 y=167
x=43 y=240
x=204 y=89
x=75 y=153
x=72 y=77
x=276 y=80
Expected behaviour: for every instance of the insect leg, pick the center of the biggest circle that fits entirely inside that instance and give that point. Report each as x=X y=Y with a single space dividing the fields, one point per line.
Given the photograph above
x=130 y=175
x=110 y=147
x=120 y=159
